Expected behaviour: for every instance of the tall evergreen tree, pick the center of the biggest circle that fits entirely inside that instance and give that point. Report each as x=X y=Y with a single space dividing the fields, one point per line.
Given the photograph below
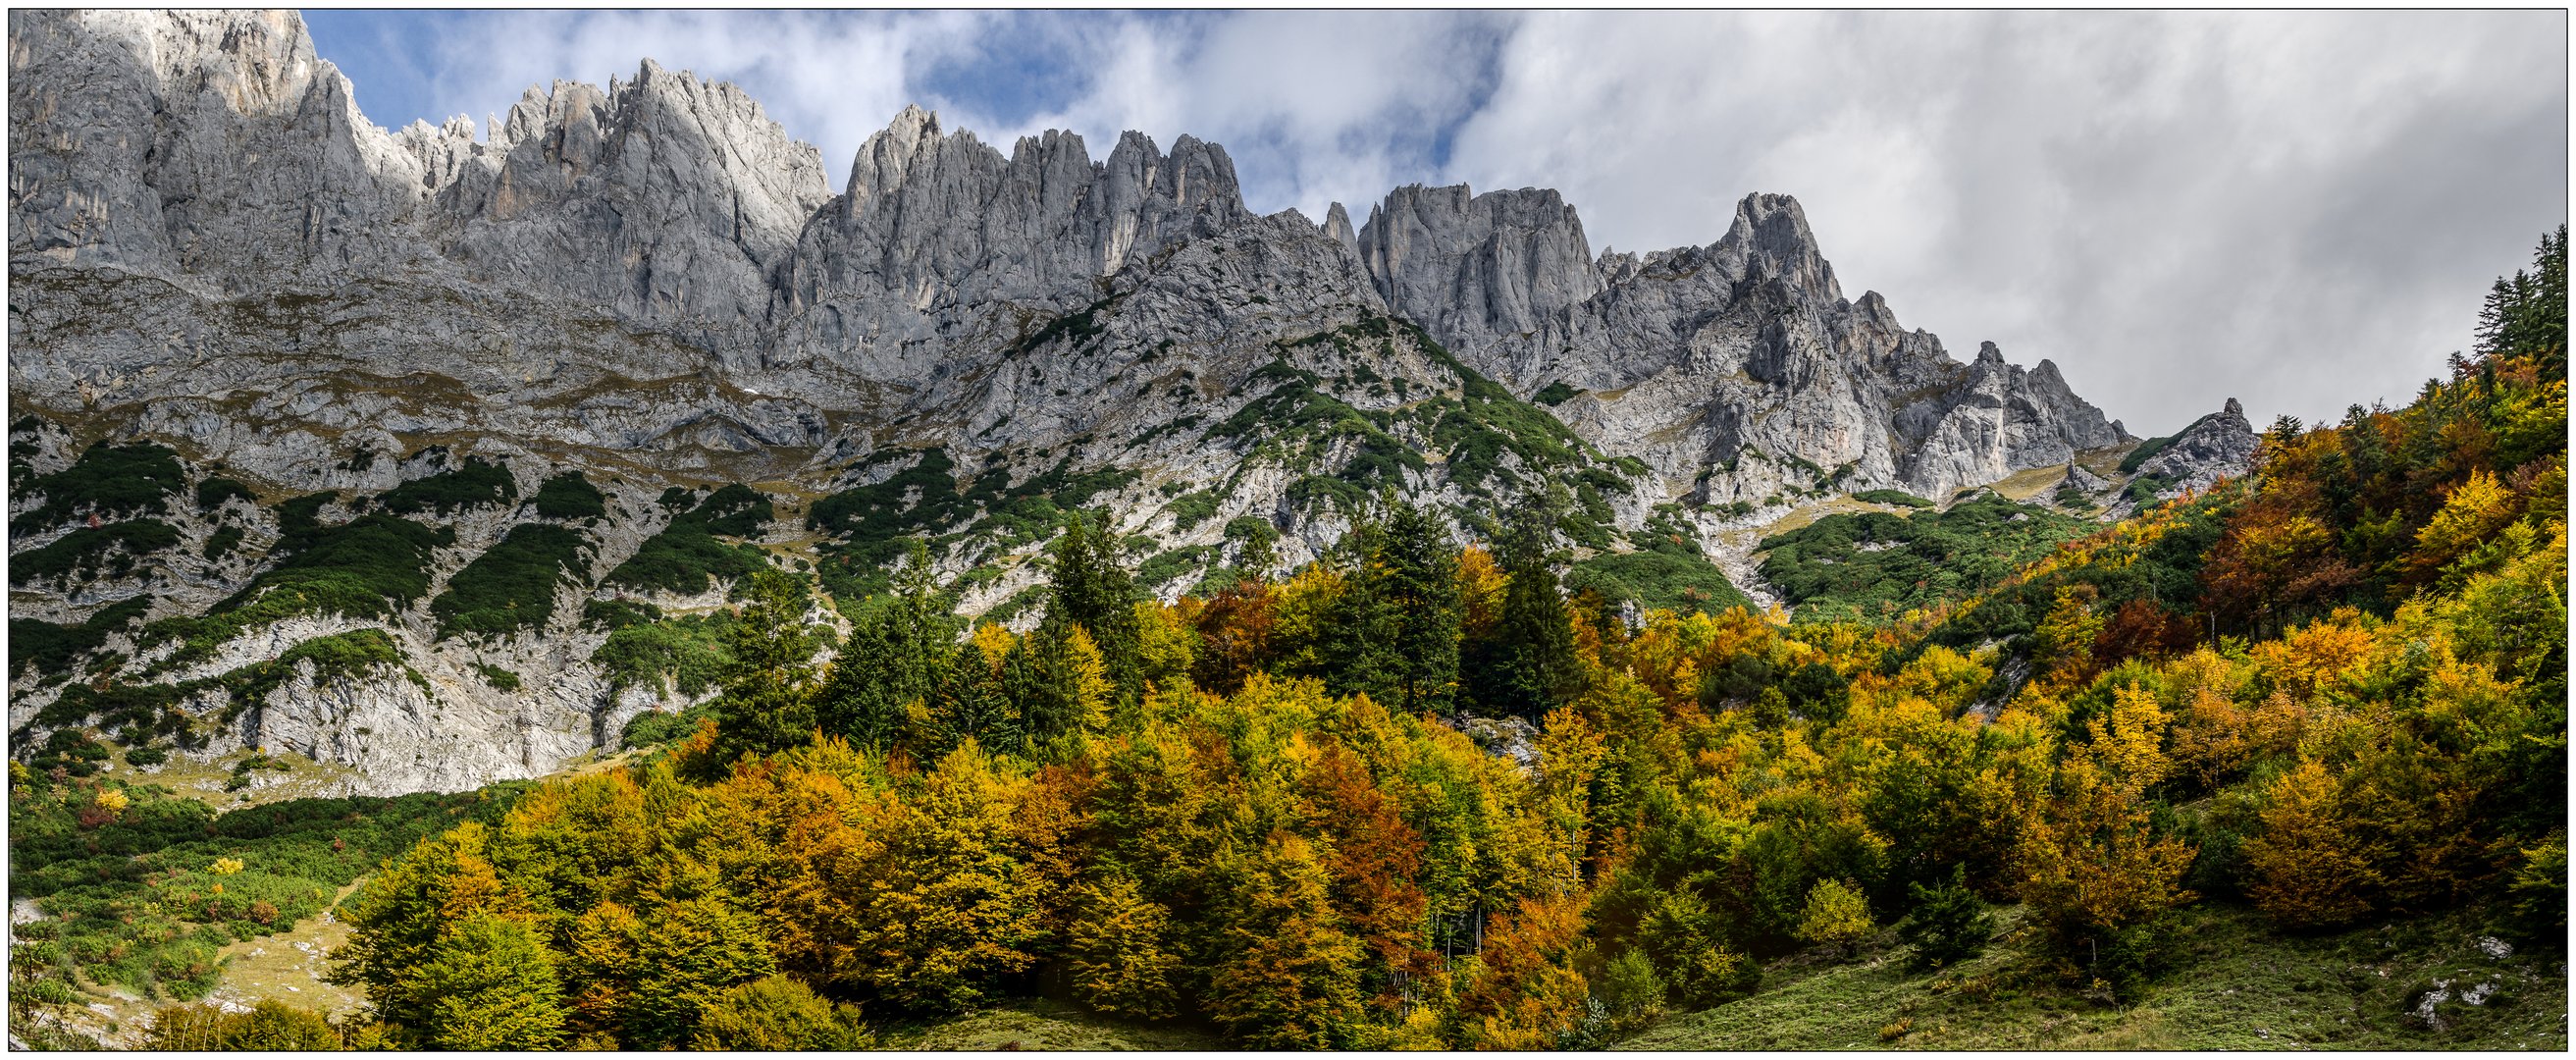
x=1409 y=588
x=1059 y=680
x=899 y=654
x=1357 y=649
x=1530 y=667
x=1091 y=590
x=2526 y=315
x=768 y=698
x=975 y=703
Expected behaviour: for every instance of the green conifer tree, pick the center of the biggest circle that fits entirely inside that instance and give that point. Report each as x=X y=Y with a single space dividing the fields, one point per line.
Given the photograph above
x=768 y=698
x=1414 y=581
x=1090 y=589
x=899 y=653
x=1531 y=665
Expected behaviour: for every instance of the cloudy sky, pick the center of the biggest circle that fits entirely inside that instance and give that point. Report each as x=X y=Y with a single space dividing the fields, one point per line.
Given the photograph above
x=2300 y=209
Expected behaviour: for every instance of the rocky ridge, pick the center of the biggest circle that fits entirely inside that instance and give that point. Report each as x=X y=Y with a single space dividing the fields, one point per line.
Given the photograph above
x=653 y=284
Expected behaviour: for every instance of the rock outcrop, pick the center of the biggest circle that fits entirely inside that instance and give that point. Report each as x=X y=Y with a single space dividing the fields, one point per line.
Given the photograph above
x=2216 y=446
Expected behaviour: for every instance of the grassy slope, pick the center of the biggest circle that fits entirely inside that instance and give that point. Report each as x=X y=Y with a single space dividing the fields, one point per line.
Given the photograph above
x=1043 y=1025
x=2233 y=984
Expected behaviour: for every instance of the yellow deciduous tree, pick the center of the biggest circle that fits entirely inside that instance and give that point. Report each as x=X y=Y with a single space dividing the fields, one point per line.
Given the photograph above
x=2309 y=867
x=1122 y=964
x=2091 y=864
x=1836 y=914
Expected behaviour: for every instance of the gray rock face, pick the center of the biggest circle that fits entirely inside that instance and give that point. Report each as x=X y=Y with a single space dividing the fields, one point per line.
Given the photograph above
x=211 y=247
x=666 y=199
x=208 y=144
x=1702 y=358
x=938 y=238
x=2219 y=445
x=2084 y=481
x=1497 y=264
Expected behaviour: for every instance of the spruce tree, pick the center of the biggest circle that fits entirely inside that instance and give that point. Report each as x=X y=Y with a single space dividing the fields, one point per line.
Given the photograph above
x=1091 y=590
x=768 y=698
x=2526 y=315
x=1948 y=924
x=899 y=653
x=1531 y=665
x=1414 y=584
x=1357 y=641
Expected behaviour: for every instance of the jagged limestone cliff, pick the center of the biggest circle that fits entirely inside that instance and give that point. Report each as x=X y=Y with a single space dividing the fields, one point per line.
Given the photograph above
x=654 y=286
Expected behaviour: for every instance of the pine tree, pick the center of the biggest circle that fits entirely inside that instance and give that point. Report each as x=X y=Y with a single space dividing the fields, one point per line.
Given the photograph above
x=1060 y=681
x=1949 y=924
x=975 y=700
x=1358 y=632
x=2526 y=315
x=1416 y=576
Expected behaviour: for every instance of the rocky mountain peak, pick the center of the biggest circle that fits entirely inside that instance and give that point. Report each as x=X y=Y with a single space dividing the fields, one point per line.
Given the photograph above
x=1467 y=265
x=1337 y=227
x=1769 y=239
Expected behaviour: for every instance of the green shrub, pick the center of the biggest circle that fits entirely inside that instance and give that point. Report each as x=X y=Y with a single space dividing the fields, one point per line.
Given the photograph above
x=686 y=555
x=614 y=615
x=1683 y=583
x=505 y=680
x=138 y=889
x=778 y=1013
x=1876 y=566
x=368 y=568
x=1556 y=393
x=570 y=496
x=475 y=483
x=655 y=727
x=511 y=586
x=86 y=552
x=223 y=541
x=1896 y=497
x=1191 y=509
x=684 y=655
x=1171 y=564
x=46 y=647
x=213 y=492
x=109 y=481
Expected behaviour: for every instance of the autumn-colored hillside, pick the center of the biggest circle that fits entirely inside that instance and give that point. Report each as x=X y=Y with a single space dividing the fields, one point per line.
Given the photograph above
x=1418 y=796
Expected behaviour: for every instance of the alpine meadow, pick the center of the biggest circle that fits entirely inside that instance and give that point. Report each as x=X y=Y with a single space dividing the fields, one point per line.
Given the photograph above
x=610 y=580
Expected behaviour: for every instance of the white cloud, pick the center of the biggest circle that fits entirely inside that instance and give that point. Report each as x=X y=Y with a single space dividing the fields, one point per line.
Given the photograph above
x=2297 y=208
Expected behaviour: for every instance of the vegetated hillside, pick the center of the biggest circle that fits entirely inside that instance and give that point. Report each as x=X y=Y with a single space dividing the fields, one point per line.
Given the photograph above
x=1880 y=566
x=533 y=404
x=1420 y=795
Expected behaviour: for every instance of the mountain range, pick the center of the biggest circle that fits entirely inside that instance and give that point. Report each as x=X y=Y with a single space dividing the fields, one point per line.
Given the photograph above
x=429 y=407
